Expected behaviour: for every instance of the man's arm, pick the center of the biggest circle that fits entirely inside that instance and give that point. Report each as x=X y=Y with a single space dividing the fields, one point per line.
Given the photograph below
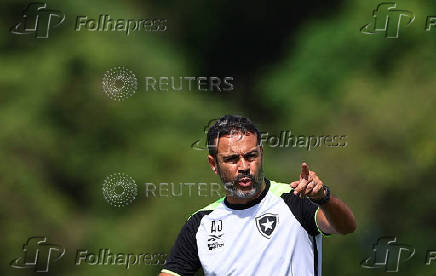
x=183 y=258
x=334 y=216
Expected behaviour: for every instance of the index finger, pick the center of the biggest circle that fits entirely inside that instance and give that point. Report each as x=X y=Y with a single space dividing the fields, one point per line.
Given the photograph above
x=304 y=171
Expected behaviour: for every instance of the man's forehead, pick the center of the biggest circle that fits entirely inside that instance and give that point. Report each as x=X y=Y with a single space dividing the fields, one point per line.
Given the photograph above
x=237 y=143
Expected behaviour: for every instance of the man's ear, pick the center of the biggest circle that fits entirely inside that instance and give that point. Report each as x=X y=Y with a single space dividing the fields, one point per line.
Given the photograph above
x=212 y=163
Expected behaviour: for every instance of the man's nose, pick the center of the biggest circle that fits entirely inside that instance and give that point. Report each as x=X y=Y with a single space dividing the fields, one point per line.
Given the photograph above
x=243 y=166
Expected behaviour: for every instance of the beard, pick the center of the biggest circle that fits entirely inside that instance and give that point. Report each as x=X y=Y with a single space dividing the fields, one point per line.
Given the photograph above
x=232 y=185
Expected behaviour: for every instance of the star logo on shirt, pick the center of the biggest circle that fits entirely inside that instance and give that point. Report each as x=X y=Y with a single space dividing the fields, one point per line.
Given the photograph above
x=266 y=224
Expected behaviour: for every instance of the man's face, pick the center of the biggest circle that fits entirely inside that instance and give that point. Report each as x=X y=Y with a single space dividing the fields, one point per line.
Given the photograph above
x=239 y=164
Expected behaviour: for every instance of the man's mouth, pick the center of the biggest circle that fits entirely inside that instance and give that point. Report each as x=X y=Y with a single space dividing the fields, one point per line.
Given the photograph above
x=245 y=182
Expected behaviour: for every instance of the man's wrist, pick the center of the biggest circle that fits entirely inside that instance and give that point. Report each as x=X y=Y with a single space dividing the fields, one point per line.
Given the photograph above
x=323 y=200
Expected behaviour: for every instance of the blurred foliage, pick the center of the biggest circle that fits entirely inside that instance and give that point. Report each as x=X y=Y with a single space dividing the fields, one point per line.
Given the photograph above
x=302 y=68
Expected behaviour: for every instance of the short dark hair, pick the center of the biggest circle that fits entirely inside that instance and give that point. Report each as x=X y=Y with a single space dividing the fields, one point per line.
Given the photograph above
x=226 y=125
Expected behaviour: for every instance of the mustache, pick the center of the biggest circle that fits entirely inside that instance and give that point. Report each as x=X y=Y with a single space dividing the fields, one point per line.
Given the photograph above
x=240 y=176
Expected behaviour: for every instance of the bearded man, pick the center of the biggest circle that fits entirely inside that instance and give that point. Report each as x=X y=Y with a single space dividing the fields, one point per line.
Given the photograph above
x=261 y=227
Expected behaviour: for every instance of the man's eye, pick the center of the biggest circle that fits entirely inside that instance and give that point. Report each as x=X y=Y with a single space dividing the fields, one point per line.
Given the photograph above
x=251 y=156
x=232 y=159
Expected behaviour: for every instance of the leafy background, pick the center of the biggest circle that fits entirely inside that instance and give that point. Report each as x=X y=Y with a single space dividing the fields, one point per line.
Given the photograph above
x=303 y=67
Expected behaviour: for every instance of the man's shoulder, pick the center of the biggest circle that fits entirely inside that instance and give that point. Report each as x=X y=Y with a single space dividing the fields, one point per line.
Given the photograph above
x=206 y=210
x=279 y=188
x=213 y=205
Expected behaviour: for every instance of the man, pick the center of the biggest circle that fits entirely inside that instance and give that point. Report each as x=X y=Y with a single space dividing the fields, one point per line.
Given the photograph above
x=261 y=227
